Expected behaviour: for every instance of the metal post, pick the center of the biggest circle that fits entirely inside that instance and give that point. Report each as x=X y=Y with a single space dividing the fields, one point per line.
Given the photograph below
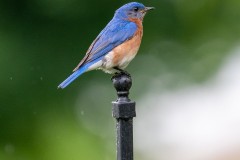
x=124 y=111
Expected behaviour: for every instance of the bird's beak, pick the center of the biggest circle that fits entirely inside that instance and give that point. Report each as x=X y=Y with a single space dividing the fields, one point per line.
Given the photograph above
x=148 y=8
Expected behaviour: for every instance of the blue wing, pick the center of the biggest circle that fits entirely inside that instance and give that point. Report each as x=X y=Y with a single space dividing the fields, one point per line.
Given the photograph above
x=114 y=34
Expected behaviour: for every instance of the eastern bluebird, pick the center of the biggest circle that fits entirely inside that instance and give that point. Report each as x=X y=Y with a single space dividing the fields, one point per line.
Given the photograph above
x=116 y=45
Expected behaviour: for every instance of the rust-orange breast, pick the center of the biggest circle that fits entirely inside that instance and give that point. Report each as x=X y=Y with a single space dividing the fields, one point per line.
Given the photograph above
x=125 y=52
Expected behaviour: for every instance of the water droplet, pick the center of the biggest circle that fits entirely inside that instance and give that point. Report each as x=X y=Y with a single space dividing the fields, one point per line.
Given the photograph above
x=41 y=78
x=11 y=78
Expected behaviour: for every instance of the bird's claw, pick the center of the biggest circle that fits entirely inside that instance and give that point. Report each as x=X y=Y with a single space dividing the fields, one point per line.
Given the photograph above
x=125 y=73
x=116 y=74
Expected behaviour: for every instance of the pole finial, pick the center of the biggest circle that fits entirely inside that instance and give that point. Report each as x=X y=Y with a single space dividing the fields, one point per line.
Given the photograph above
x=122 y=83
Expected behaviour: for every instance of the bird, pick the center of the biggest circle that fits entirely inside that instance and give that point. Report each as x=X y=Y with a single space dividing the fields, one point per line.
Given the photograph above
x=116 y=45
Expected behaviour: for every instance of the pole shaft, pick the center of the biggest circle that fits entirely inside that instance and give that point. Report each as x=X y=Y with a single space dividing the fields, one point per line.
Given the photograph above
x=124 y=139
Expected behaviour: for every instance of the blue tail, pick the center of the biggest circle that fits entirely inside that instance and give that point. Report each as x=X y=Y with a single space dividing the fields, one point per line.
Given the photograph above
x=73 y=76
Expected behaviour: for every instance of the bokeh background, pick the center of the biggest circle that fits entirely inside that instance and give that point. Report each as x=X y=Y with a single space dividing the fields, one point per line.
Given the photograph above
x=186 y=81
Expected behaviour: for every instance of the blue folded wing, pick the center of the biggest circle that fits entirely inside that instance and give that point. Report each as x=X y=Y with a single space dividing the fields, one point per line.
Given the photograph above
x=114 y=34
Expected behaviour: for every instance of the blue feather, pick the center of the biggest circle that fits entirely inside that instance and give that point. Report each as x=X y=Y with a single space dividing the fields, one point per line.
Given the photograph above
x=76 y=74
x=72 y=77
x=115 y=33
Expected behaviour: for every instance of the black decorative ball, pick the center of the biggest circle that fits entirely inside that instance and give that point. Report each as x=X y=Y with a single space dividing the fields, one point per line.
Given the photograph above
x=122 y=82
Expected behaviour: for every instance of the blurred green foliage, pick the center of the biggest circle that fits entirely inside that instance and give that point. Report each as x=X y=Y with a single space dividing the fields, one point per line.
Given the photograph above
x=42 y=41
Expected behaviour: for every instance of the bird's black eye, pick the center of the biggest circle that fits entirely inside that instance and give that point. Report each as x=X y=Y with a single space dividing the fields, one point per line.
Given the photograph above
x=135 y=9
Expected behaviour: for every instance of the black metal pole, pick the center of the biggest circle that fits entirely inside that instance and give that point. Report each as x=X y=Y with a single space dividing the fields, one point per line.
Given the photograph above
x=124 y=111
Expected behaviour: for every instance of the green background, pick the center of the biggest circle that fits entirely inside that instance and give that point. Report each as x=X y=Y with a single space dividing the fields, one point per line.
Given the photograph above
x=41 y=41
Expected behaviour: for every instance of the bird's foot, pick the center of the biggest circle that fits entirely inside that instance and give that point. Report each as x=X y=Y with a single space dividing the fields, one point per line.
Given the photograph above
x=121 y=73
x=125 y=73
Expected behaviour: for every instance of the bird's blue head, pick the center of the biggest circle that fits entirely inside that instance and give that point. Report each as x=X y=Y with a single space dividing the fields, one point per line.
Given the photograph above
x=132 y=10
